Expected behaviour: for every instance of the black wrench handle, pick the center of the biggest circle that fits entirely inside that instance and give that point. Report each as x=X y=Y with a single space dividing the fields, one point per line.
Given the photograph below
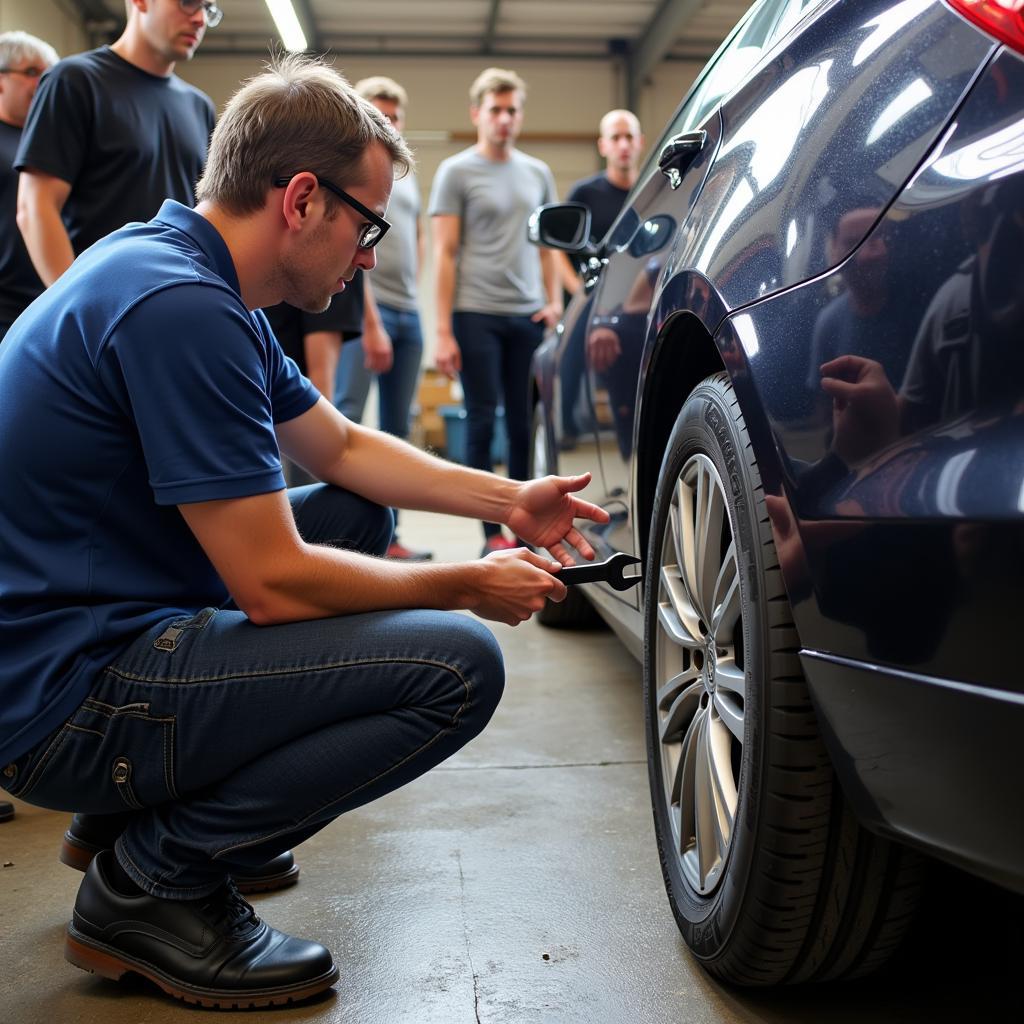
x=609 y=571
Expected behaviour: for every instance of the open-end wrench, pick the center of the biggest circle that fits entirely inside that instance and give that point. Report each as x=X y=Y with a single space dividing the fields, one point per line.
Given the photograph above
x=609 y=571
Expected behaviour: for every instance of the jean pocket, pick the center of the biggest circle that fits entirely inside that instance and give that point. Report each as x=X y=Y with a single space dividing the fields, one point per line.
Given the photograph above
x=105 y=758
x=20 y=777
x=176 y=631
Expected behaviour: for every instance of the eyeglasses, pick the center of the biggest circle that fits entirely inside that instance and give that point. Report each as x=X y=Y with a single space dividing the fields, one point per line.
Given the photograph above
x=32 y=72
x=213 y=12
x=371 y=233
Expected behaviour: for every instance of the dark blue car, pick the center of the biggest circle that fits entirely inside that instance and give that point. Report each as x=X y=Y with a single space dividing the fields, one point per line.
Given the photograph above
x=797 y=370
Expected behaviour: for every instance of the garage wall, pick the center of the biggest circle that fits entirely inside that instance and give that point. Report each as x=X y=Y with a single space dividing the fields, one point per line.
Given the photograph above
x=45 y=19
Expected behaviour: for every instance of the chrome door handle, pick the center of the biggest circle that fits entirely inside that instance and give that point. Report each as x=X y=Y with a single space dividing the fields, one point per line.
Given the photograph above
x=678 y=153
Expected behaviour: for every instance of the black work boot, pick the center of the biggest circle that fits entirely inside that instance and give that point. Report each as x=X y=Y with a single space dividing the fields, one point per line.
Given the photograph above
x=213 y=951
x=90 y=833
x=6 y=810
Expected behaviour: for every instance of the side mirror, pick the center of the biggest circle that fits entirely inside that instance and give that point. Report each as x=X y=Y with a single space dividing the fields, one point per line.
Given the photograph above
x=564 y=226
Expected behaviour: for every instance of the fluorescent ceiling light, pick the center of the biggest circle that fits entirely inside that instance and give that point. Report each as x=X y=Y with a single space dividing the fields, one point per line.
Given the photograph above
x=287 y=22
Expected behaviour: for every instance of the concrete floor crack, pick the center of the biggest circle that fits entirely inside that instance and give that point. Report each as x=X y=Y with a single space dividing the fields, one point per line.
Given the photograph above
x=534 y=767
x=465 y=933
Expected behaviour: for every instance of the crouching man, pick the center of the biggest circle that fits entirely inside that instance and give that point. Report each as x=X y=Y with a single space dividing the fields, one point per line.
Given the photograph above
x=184 y=640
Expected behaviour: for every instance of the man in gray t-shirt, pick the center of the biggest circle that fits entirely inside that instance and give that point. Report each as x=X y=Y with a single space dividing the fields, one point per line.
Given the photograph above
x=495 y=293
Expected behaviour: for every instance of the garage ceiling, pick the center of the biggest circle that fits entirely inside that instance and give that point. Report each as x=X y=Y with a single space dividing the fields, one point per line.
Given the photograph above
x=642 y=31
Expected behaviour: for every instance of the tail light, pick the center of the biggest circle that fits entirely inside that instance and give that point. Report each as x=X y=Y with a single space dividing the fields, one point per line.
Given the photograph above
x=1003 y=19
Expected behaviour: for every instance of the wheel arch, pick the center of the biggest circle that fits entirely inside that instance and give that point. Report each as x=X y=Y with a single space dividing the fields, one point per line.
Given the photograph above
x=684 y=354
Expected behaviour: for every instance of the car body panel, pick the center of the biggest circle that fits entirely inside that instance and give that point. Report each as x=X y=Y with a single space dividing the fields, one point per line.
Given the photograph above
x=860 y=194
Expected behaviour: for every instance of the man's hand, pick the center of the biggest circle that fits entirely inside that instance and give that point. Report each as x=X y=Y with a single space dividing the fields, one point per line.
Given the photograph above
x=378 y=354
x=447 y=356
x=514 y=584
x=543 y=515
x=865 y=409
x=550 y=314
x=603 y=348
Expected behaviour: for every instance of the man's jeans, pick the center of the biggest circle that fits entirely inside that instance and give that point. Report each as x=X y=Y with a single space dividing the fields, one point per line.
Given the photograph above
x=496 y=354
x=397 y=386
x=235 y=742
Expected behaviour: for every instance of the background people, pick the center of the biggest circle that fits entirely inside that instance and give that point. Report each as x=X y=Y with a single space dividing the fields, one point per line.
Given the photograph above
x=112 y=133
x=23 y=59
x=495 y=293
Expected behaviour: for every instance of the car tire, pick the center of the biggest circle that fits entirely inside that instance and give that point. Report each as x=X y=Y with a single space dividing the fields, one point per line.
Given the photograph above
x=575 y=612
x=769 y=876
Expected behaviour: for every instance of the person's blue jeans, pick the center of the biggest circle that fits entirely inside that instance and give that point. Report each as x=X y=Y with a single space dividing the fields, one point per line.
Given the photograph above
x=235 y=742
x=397 y=387
x=496 y=353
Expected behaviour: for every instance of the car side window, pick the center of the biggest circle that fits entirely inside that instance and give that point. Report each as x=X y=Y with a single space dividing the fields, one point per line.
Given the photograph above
x=766 y=23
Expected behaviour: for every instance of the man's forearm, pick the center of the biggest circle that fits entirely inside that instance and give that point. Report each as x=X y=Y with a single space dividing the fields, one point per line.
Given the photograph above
x=392 y=472
x=324 y=581
x=552 y=276
x=444 y=289
x=322 y=349
x=46 y=239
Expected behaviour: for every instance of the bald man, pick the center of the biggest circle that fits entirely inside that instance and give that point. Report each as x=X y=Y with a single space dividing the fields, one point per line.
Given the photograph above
x=620 y=142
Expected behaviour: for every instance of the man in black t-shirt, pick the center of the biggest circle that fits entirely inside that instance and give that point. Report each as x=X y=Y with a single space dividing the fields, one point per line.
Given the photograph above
x=23 y=58
x=114 y=132
x=620 y=142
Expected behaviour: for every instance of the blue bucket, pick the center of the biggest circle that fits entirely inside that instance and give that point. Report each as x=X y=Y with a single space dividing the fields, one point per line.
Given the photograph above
x=456 y=434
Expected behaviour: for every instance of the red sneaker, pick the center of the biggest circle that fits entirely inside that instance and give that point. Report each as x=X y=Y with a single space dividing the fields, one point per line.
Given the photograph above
x=499 y=542
x=397 y=550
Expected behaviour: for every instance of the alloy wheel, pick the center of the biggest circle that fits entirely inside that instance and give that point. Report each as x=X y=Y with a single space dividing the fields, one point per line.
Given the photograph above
x=701 y=686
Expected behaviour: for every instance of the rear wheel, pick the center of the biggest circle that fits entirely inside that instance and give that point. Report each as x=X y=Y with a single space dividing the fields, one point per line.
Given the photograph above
x=770 y=878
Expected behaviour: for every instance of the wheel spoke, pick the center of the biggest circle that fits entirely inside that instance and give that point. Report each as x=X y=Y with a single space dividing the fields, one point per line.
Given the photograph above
x=730 y=711
x=728 y=675
x=704 y=816
x=677 y=616
x=684 y=788
x=681 y=708
x=726 y=599
x=686 y=544
x=723 y=785
x=708 y=541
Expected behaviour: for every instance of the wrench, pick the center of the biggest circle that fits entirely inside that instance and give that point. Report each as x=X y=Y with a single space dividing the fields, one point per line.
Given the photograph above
x=609 y=571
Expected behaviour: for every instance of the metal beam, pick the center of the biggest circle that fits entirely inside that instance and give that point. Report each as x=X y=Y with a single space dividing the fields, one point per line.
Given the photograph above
x=102 y=23
x=310 y=28
x=487 y=45
x=660 y=35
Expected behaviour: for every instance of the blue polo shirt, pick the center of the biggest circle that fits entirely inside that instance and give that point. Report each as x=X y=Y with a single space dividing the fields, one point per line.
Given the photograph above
x=138 y=382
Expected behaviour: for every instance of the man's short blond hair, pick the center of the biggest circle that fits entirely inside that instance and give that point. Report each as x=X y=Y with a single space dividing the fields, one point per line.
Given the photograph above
x=18 y=46
x=495 y=80
x=299 y=115
x=380 y=87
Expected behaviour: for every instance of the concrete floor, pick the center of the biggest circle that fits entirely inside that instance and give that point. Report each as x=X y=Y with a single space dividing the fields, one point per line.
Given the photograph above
x=516 y=884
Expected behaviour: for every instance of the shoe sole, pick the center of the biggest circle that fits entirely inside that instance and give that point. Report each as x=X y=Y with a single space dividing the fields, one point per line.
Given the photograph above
x=79 y=855
x=107 y=962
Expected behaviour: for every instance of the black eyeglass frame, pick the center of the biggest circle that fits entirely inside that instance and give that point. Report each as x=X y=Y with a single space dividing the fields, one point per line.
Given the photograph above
x=375 y=219
x=29 y=72
x=214 y=15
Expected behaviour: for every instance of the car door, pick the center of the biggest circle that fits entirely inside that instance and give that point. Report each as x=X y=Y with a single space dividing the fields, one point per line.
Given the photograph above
x=635 y=252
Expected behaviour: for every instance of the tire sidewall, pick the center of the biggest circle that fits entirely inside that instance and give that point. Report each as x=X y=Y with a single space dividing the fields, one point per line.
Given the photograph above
x=710 y=424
